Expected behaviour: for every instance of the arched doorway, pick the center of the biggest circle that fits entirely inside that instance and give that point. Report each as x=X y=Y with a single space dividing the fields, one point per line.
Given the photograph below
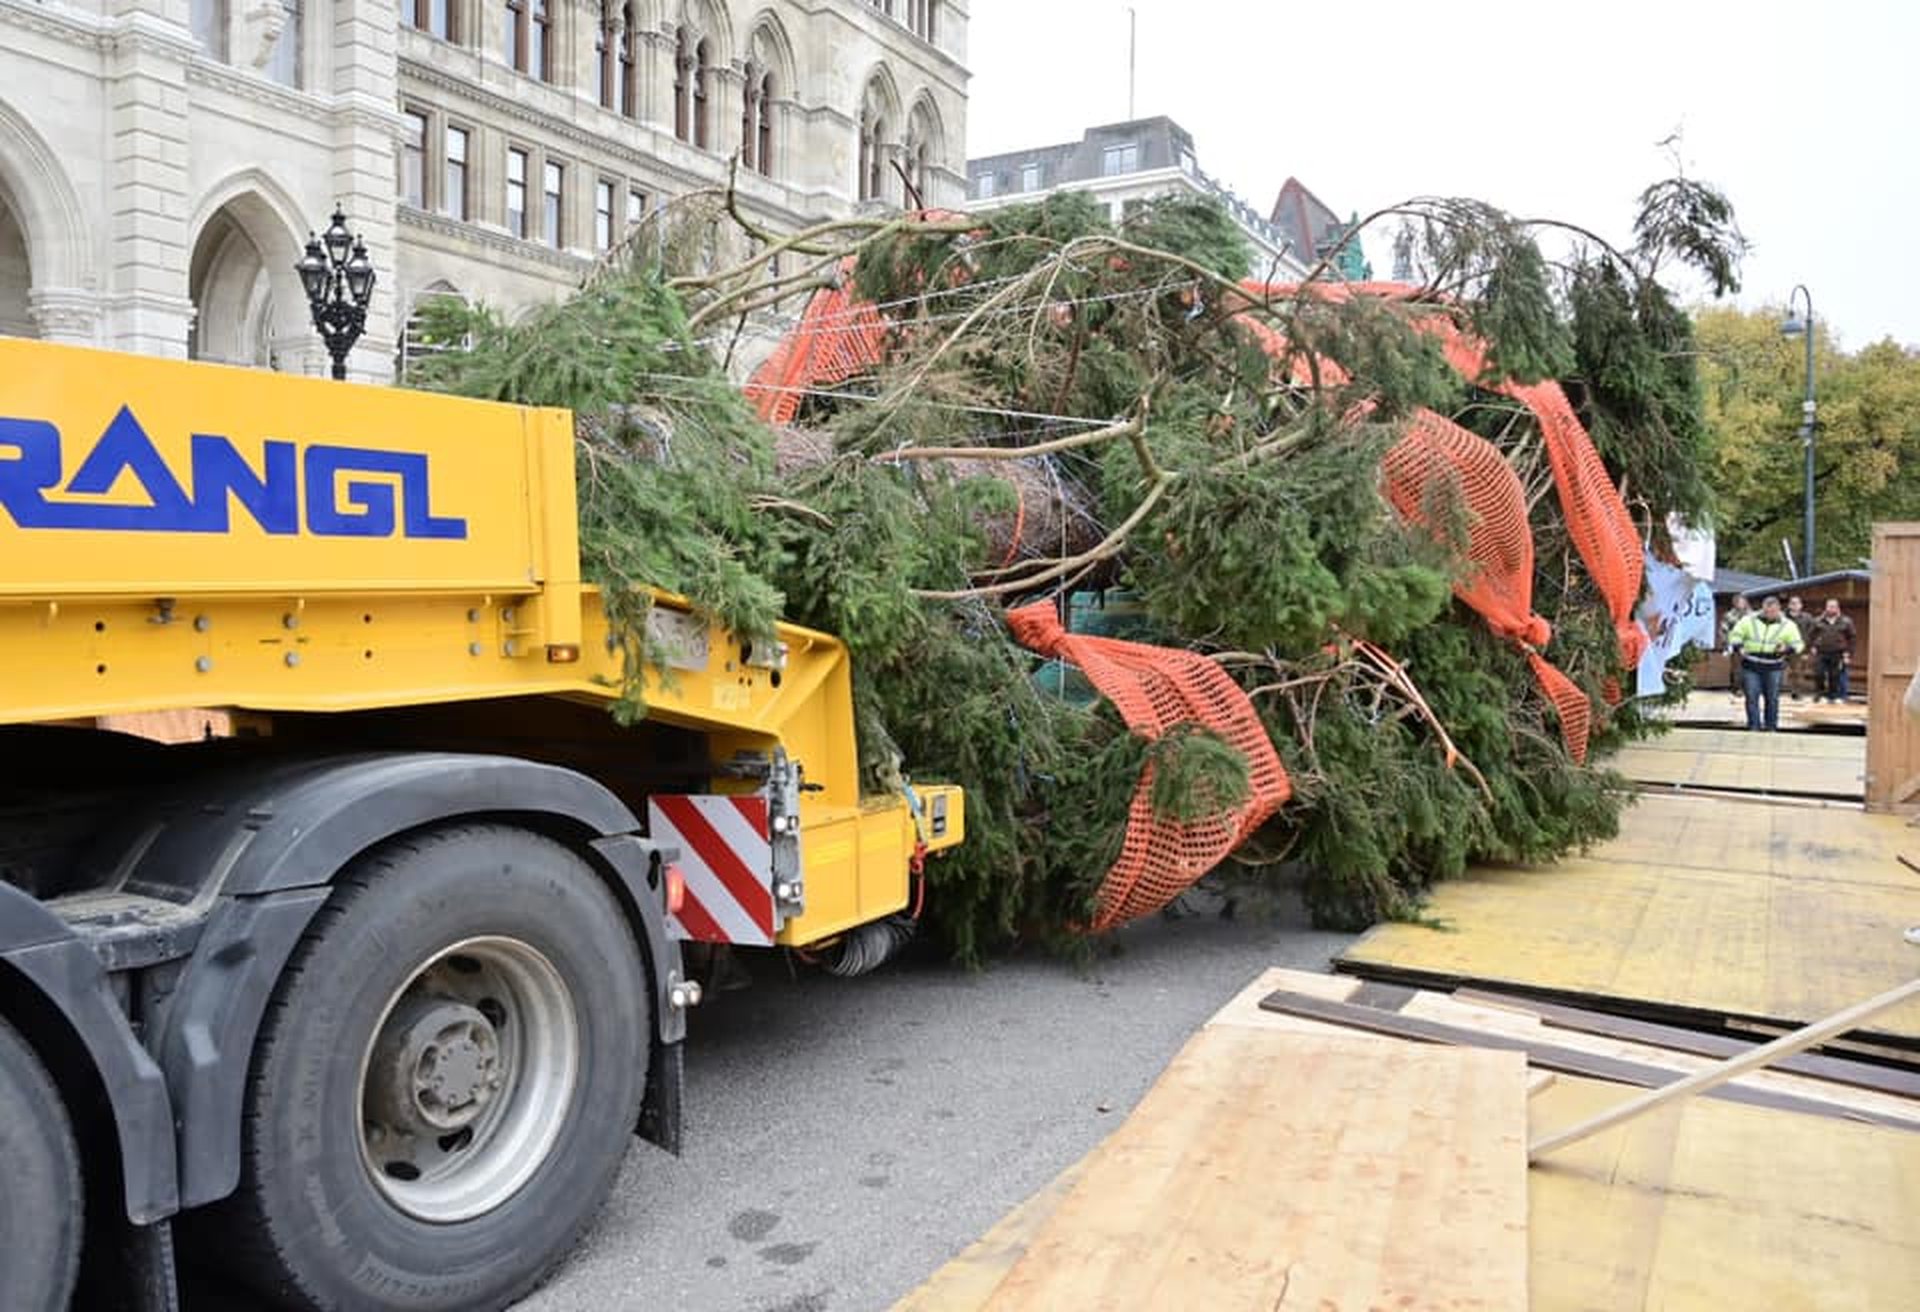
x=46 y=275
x=248 y=306
x=416 y=343
x=16 y=273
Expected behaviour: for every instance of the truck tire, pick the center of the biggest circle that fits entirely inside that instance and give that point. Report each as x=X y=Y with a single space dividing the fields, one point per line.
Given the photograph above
x=445 y=1082
x=41 y=1220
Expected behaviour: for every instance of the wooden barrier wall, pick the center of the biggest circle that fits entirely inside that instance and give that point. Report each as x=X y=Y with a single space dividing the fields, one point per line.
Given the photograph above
x=1893 y=738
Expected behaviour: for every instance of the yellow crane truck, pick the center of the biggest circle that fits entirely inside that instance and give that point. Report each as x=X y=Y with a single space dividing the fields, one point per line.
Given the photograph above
x=362 y=981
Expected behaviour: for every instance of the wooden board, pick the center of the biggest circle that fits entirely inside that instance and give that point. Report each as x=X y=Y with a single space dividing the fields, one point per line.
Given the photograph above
x=1291 y=1171
x=1429 y=1017
x=1825 y=746
x=1673 y=1039
x=1707 y=1207
x=970 y=1279
x=1700 y=907
x=1817 y=765
x=1711 y=1206
x=1710 y=707
x=1893 y=739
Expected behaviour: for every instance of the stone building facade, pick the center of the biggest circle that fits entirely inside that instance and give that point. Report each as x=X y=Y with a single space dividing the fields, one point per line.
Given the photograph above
x=162 y=161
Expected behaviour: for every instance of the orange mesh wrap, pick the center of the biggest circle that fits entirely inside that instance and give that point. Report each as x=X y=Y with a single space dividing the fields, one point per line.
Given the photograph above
x=1157 y=689
x=1597 y=520
x=838 y=337
x=1437 y=452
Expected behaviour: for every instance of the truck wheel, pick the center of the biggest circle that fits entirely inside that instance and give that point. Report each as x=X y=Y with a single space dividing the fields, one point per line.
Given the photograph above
x=445 y=1082
x=40 y=1207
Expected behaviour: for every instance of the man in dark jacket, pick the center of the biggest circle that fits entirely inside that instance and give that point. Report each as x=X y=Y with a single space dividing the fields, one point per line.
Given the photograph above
x=1831 y=637
x=1738 y=610
x=1799 y=678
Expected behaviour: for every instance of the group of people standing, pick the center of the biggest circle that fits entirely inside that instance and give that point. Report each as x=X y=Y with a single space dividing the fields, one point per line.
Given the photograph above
x=1768 y=645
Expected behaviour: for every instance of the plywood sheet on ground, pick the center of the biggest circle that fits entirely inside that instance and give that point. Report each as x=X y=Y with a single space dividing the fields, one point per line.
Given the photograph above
x=1713 y=1205
x=1713 y=707
x=1851 y=747
x=1270 y=1170
x=1703 y=1207
x=1824 y=765
x=1701 y=904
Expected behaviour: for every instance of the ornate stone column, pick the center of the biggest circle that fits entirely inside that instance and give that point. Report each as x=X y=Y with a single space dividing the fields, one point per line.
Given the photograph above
x=365 y=128
x=146 y=92
x=68 y=315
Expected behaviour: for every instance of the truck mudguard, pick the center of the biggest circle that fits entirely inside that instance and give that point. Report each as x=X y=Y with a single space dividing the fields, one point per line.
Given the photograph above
x=258 y=849
x=70 y=978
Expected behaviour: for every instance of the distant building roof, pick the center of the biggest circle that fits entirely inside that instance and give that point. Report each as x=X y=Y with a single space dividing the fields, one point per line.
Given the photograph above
x=1728 y=582
x=1315 y=232
x=1831 y=576
x=1139 y=146
x=1122 y=164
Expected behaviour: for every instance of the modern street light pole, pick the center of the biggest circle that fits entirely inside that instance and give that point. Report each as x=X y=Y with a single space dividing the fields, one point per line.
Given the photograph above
x=1797 y=327
x=338 y=278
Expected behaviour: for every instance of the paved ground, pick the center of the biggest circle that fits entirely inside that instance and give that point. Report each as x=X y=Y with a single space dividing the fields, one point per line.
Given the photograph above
x=848 y=1136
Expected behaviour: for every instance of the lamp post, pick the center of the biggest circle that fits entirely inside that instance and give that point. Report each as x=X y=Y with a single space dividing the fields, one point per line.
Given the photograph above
x=1795 y=326
x=338 y=278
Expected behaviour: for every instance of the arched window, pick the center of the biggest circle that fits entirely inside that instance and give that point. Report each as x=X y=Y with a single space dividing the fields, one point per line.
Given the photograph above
x=540 y=60
x=756 y=120
x=765 y=154
x=702 y=76
x=629 y=69
x=750 y=118
x=605 y=40
x=873 y=152
x=16 y=275
x=416 y=342
x=879 y=123
x=683 y=85
x=925 y=151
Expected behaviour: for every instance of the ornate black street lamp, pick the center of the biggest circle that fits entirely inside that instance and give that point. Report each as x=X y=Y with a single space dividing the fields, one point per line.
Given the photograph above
x=338 y=278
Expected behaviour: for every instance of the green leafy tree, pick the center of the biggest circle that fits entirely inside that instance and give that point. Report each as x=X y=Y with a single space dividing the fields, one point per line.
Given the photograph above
x=1867 y=446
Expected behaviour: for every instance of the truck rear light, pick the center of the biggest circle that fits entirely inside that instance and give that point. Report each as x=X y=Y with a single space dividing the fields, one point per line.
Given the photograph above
x=676 y=890
x=563 y=653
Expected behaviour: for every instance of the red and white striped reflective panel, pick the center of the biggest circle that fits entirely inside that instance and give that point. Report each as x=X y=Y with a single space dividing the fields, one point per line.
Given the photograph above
x=726 y=856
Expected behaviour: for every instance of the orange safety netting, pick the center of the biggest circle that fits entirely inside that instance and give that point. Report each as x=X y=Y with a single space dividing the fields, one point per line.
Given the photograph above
x=1436 y=453
x=1596 y=516
x=1597 y=520
x=1157 y=689
x=839 y=335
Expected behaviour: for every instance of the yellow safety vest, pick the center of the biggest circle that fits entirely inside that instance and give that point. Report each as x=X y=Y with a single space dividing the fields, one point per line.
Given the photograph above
x=1760 y=639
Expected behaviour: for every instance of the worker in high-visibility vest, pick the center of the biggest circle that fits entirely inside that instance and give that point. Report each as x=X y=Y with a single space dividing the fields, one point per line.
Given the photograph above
x=1766 y=642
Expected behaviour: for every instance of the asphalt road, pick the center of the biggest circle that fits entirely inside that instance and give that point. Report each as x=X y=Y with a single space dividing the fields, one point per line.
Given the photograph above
x=847 y=1137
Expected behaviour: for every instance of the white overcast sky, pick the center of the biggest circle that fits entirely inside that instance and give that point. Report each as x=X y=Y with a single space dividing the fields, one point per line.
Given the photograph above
x=1807 y=115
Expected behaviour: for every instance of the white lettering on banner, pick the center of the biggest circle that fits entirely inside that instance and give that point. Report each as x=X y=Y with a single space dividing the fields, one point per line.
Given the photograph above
x=1678 y=609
